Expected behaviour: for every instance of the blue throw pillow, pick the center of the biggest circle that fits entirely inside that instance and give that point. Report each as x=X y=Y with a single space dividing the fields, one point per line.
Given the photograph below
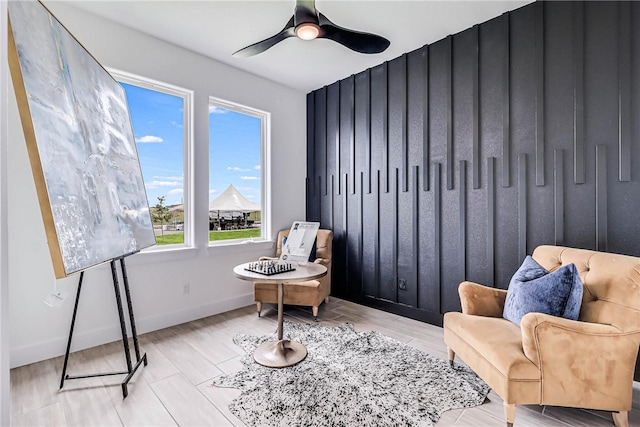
x=534 y=289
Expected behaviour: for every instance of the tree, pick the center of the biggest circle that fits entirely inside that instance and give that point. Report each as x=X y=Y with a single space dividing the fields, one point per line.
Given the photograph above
x=161 y=214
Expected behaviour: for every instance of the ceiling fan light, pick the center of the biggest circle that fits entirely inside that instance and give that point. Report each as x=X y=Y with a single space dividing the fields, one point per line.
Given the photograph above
x=307 y=31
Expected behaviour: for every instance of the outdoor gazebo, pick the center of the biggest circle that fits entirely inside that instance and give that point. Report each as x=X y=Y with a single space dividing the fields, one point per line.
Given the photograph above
x=232 y=201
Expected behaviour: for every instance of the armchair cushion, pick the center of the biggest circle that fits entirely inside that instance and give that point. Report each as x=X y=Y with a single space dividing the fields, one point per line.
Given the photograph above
x=534 y=289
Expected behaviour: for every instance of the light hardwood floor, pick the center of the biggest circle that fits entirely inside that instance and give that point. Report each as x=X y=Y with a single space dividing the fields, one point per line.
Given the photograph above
x=175 y=388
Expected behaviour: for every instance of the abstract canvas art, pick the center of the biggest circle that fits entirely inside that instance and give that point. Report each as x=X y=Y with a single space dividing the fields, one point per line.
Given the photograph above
x=80 y=142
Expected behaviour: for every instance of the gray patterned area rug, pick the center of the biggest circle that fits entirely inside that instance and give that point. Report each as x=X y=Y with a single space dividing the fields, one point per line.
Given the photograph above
x=349 y=378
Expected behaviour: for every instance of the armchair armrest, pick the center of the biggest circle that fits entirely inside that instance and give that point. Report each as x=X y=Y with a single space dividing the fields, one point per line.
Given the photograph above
x=581 y=364
x=481 y=300
x=583 y=346
x=322 y=261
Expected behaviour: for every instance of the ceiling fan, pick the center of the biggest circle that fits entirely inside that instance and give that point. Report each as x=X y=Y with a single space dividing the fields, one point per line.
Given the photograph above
x=308 y=24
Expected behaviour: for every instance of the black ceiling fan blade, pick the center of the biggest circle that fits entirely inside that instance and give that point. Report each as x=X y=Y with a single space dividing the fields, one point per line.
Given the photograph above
x=304 y=12
x=354 y=40
x=261 y=46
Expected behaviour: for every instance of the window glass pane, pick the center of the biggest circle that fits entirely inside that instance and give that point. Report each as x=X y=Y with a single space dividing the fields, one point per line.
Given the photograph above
x=158 y=125
x=235 y=176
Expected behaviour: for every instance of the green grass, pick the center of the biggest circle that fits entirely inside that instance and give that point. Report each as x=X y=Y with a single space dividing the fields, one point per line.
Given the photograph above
x=178 y=238
x=234 y=234
x=170 y=239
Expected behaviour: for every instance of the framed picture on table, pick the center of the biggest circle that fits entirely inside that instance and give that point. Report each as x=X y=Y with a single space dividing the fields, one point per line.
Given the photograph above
x=299 y=243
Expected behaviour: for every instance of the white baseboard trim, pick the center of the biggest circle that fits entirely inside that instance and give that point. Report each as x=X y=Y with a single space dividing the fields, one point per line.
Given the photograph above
x=56 y=347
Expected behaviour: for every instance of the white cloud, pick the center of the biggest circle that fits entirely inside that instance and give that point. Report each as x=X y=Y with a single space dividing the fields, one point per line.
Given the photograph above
x=156 y=184
x=257 y=167
x=213 y=190
x=237 y=169
x=149 y=139
x=175 y=191
x=216 y=110
x=249 y=178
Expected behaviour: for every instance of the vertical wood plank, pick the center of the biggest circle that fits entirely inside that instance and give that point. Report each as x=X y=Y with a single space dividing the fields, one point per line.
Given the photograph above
x=578 y=94
x=405 y=123
x=377 y=234
x=449 y=112
x=415 y=236
x=338 y=148
x=368 y=139
x=385 y=131
x=475 y=71
x=506 y=108
x=352 y=135
x=558 y=196
x=345 y=232
x=437 y=231
x=319 y=199
x=624 y=92
x=522 y=206
x=394 y=237
x=311 y=132
x=361 y=234
x=463 y=219
x=320 y=139
x=308 y=185
x=425 y=123
x=491 y=220
x=601 y=198
x=332 y=202
x=326 y=140
x=539 y=64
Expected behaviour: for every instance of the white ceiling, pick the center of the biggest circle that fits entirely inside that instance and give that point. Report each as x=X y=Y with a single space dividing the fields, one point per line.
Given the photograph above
x=218 y=28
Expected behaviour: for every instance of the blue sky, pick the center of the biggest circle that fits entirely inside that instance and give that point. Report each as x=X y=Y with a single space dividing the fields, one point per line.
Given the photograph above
x=234 y=146
x=234 y=153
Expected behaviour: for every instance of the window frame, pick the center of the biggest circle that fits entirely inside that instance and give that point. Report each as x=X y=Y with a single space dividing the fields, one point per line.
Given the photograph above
x=265 y=162
x=188 y=150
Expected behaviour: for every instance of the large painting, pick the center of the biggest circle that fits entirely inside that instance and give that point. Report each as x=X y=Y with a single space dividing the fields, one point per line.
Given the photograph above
x=80 y=142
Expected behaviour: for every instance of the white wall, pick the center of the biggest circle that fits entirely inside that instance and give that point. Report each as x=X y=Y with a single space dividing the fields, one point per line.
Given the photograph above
x=5 y=400
x=39 y=332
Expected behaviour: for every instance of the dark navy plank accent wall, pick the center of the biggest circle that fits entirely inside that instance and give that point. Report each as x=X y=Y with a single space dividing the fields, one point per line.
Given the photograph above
x=454 y=161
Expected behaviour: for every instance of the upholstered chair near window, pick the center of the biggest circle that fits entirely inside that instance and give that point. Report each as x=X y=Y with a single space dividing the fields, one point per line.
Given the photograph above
x=310 y=293
x=548 y=359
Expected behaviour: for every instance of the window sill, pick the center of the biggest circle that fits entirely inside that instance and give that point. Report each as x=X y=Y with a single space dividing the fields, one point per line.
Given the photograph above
x=163 y=254
x=233 y=247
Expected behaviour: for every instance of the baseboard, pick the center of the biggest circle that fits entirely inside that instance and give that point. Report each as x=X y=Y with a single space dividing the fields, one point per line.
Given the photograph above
x=56 y=347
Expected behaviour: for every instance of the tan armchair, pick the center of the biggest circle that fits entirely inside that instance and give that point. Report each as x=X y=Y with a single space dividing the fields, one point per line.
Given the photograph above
x=588 y=363
x=310 y=293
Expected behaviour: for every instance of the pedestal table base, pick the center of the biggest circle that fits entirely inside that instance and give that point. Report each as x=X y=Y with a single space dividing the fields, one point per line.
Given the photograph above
x=279 y=354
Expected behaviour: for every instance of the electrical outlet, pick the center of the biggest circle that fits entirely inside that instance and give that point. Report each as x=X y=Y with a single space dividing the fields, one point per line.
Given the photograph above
x=402 y=284
x=186 y=288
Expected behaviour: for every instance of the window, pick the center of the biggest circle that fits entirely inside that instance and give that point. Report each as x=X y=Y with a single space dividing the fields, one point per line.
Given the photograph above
x=237 y=147
x=160 y=116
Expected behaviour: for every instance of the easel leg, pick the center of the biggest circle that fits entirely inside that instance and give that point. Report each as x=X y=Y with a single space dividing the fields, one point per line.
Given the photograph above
x=123 y=326
x=134 y=333
x=73 y=322
x=127 y=295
